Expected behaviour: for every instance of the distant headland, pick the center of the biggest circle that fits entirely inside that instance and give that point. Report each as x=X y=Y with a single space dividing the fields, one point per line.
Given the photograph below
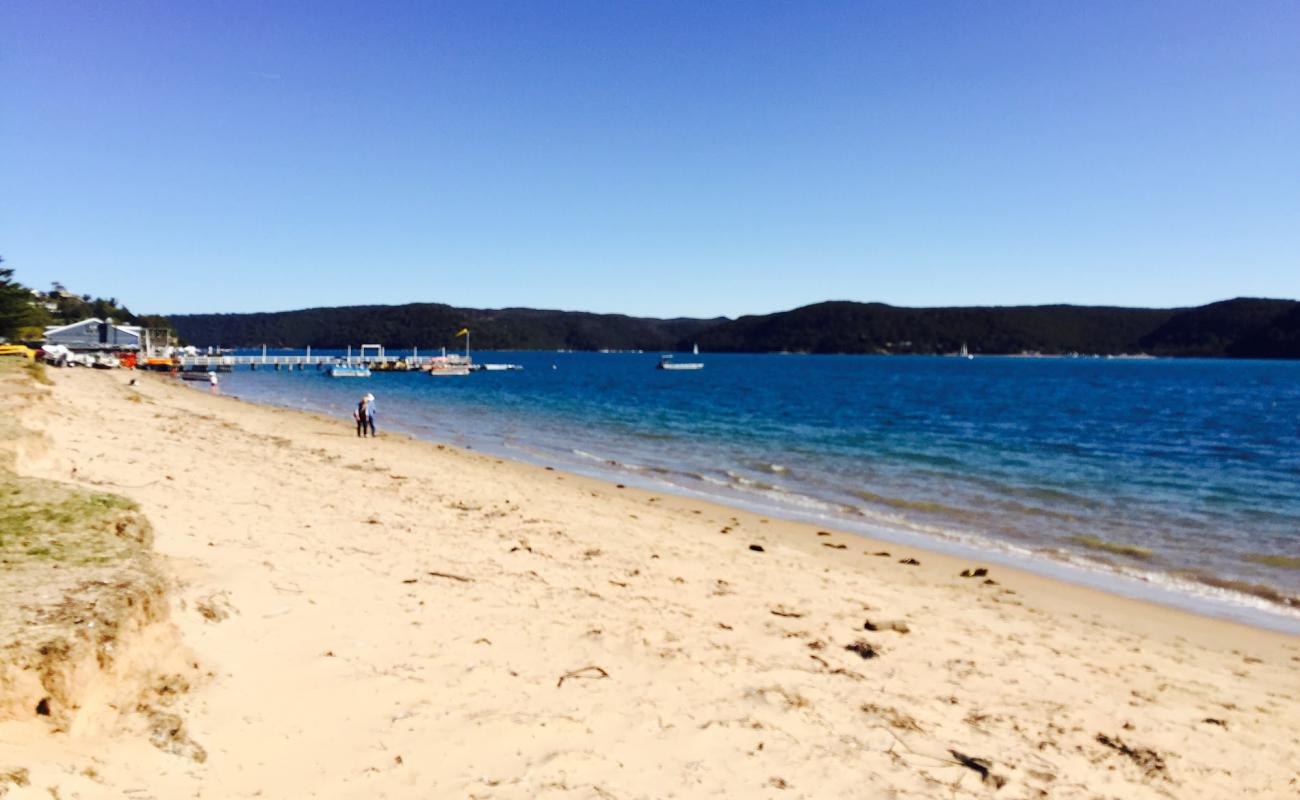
x=1239 y=328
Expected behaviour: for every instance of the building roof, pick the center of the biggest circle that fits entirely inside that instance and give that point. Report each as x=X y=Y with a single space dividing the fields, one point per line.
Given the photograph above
x=134 y=330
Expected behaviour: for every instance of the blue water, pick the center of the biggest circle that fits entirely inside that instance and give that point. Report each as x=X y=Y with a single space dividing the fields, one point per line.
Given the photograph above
x=1044 y=462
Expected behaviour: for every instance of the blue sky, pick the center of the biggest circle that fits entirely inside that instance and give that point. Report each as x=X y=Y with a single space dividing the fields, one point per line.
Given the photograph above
x=660 y=159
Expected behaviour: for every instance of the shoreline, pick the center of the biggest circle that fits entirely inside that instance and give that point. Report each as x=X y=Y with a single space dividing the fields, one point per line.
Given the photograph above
x=1082 y=597
x=407 y=619
x=1164 y=588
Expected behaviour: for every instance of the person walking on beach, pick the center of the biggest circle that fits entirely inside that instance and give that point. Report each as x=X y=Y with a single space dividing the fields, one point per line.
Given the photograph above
x=369 y=400
x=361 y=415
x=212 y=381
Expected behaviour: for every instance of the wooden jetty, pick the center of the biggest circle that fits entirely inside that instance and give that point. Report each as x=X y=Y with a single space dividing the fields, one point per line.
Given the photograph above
x=370 y=355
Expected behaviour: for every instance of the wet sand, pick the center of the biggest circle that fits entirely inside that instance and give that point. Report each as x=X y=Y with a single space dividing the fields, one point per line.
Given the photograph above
x=395 y=618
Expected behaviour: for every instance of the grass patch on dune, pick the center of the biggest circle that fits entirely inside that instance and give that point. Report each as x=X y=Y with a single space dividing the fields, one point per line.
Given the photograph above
x=1283 y=562
x=36 y=370
x=1117 y=548
x=49 y=521
x=76 y=566
x=54 y=522
x=43 y=521
x=77 y=572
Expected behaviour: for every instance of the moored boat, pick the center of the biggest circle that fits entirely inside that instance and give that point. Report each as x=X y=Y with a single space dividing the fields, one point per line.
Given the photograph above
x=349 y=371
x=449 y=366
x=666 y=362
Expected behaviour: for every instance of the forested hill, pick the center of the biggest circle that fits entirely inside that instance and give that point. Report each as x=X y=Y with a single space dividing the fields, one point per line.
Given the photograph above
x=435 y=325
x=844 y=327
x=1242 y=328
x=1245 y=328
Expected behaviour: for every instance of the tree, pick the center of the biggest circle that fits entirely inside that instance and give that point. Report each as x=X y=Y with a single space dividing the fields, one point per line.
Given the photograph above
x=15 y=304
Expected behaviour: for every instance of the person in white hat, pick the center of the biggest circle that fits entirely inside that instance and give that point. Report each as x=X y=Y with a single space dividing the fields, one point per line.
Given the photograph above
x=369 y=401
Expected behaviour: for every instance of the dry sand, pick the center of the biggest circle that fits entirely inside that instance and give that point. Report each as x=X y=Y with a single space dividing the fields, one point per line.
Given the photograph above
x=393 y=618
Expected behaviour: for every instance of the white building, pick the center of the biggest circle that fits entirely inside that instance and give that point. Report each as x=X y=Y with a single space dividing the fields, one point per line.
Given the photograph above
x=95 y=334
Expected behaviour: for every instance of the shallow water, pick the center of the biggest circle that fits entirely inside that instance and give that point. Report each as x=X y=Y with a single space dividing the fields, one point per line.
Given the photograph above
x=1177 y=474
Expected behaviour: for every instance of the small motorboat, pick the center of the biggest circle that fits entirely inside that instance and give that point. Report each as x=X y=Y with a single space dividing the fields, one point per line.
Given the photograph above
x=349 y=371
x=448 y=366
x=666 y=362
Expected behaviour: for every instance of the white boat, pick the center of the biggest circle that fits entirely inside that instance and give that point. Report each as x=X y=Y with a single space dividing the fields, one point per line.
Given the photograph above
x=964 y=352
x=499 y=367
x=453 y=365
x=666 y=362
x=449 y=366
x=349 y=371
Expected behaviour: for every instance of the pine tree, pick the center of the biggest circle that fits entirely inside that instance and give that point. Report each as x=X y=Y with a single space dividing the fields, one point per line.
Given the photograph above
x=15 y=304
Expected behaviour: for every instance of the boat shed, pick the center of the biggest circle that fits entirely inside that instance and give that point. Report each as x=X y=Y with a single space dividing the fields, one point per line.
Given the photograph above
x=95 y=334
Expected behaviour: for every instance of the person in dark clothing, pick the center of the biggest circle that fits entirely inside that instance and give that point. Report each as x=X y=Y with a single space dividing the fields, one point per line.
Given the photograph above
x=362 y=415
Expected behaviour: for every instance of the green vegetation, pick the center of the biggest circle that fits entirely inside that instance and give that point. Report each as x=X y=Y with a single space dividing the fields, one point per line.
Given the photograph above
x=36 y=370
x=54 y=521
x=76 y=566
x=16 y=310
x=430 y=325
x=1244 y=328
x=1093 y=543
x=1235 y=328
x=43 y=520
x=25 y=312
x=1232 y=328
x=1241 y=328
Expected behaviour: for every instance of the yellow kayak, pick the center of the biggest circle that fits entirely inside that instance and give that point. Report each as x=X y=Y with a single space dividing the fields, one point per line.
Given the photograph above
x=17 y=350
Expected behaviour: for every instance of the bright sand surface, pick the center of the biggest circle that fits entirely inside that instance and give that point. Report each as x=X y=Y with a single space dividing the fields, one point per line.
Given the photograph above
x=394 y=618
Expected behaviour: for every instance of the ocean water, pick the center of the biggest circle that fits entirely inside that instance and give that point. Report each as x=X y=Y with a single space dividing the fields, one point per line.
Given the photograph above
x=1175 y=480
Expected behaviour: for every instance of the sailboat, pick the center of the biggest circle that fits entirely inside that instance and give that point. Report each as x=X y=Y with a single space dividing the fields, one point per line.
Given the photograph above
x=666 y=361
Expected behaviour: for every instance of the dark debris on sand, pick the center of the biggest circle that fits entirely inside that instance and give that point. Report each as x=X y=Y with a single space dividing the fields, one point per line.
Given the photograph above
x=863 y=649
x=981 y=766
x=1149 y=761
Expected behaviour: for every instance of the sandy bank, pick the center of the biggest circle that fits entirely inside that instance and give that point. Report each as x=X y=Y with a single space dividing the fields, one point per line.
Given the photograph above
x=86 y=647
x=392 y=618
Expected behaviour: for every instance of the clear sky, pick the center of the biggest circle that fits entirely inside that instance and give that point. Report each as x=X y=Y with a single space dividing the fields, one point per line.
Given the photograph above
x=695 y=158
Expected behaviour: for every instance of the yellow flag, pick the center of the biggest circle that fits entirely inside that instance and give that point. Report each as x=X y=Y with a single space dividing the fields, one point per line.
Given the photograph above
x=463 y=332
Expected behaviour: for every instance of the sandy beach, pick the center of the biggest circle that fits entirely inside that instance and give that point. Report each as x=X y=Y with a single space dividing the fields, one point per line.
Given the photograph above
x=394 y=618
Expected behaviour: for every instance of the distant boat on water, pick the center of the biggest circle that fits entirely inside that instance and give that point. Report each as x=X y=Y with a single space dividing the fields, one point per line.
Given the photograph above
x=349 y=371
x=666 y=362
x=453 y=366
x=450 y=366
